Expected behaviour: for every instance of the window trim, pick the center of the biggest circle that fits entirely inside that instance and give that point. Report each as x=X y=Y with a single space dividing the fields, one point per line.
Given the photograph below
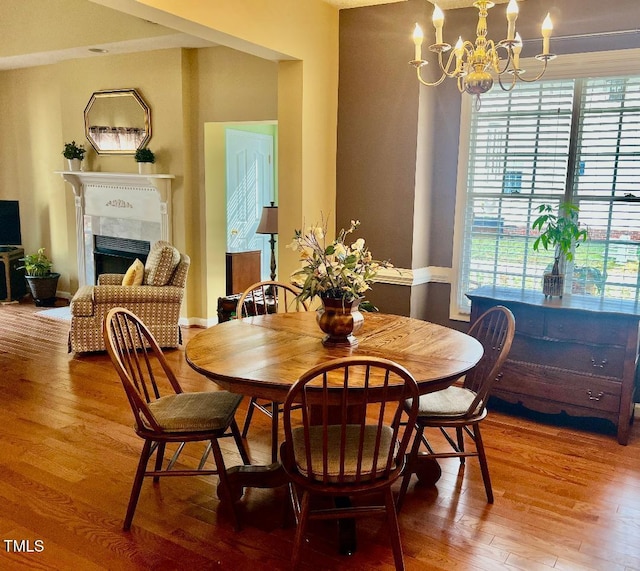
x=571 y=66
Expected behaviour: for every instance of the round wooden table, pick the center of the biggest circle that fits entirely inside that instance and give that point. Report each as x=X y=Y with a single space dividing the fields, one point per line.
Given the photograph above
x=263 y=356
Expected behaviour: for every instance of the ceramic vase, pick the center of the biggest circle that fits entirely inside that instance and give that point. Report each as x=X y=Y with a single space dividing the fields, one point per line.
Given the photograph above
x=340 y=319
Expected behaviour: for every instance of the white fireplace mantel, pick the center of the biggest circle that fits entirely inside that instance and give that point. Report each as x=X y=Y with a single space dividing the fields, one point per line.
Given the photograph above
x=107 y=196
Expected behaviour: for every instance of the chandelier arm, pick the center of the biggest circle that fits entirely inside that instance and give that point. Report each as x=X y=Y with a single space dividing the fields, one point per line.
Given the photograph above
x=544 y=69
x=445 y=68
x=427 y=83
x=507 y=63
x=514 y=79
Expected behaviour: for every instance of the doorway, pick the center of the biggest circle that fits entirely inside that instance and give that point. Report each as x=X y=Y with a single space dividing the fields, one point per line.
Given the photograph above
x=249 y=187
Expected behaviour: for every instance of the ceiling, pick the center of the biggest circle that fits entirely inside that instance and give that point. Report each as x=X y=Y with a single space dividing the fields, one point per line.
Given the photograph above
x=444 y=4
x=16 y=53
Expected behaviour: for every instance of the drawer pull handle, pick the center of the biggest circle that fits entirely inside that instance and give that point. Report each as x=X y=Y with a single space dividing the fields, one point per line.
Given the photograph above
x=599 y=365
x=598 y=397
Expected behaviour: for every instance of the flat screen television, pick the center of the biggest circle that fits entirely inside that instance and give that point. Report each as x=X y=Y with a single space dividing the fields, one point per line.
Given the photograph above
x=10 y=234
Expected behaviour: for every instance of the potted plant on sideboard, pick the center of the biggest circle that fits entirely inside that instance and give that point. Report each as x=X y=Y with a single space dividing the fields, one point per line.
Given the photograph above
x=145 y=158
x=561 y=232
x=74 y=155
x=42 y=282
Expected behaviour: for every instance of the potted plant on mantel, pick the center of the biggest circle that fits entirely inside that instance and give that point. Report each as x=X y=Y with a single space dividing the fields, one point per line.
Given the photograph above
x=560 y=232
x=42 y=282
x=145 y=158
x=74 y=155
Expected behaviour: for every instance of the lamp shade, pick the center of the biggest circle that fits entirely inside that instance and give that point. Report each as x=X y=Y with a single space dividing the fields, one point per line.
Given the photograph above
x=269 y=220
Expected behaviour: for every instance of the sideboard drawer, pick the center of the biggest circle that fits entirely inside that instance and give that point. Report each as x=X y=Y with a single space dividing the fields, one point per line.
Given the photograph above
x=560 y=386
x=600 y=360
x=608 y=330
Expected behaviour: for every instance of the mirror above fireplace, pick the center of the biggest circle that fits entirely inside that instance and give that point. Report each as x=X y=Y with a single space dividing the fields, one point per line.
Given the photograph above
x=117 y=122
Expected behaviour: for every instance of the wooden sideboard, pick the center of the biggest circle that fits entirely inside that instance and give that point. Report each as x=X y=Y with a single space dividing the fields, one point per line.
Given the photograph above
x=576 y=355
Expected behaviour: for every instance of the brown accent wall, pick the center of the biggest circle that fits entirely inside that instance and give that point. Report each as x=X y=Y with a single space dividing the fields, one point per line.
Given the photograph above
x=398 y=175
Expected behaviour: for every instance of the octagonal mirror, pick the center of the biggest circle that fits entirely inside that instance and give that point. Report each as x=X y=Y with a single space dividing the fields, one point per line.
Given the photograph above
x=117 y=122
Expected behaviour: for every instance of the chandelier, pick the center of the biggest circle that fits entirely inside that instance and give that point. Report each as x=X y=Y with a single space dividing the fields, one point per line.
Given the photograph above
x=475 y=65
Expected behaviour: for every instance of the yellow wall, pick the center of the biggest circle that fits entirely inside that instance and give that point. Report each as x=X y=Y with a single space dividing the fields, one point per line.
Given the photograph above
x=43 y=108
x=306 y=33
x=185 y=89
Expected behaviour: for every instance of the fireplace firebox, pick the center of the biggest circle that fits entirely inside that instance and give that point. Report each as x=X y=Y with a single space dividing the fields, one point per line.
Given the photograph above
x=113 y=255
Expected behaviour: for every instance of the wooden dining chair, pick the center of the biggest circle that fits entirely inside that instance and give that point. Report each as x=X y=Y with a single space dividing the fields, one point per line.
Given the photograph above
x=463 y=407
x=260 y=299
x=347 y=441
x=165 y=414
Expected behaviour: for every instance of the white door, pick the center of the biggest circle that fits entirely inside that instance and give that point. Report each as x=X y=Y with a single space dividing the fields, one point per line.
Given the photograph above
x=249 y=188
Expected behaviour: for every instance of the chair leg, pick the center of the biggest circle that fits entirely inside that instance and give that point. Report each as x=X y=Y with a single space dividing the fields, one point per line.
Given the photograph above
x=224 y=483
x=137 y=484
x=460 y=438
x=484 y=467
x=300 y=529
x=159 y=458
x=274 y=431
x=239 y=443
x=394 y=530
x=247 y=420
x=409 y=466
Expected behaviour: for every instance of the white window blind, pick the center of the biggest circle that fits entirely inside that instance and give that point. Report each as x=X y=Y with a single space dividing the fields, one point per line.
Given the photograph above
x=549 y=142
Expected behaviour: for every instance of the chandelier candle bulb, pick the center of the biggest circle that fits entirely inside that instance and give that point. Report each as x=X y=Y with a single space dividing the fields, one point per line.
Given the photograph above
x=517 y=48
x=512 y=16
x=458 y=49
x=547 y=28
x=418 y=36
x=438 y=22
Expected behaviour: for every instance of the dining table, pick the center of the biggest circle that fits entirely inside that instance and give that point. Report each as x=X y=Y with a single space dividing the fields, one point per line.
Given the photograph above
x=262 y=356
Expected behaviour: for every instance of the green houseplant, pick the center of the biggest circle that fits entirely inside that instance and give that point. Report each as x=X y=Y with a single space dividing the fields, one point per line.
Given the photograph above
x=562 y=232
x=145 y=158
x=74 y=155
x=42 y=282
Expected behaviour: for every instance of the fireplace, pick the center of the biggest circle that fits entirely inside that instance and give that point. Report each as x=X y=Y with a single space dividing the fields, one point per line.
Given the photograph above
x=113 y=255
x=118 y=217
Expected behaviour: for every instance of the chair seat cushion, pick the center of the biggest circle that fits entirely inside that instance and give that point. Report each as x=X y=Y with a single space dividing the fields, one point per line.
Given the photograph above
x=450 y=402
x=351 y=451
x=200 y=411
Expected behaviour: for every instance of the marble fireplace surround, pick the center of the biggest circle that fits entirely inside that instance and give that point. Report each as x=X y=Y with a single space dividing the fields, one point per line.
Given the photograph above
x=122 y=205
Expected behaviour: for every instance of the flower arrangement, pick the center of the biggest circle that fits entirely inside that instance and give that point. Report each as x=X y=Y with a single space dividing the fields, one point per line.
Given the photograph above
x=336 y=269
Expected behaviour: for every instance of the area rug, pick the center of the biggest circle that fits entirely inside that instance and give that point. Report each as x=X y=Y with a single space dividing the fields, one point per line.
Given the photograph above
x=56 y=313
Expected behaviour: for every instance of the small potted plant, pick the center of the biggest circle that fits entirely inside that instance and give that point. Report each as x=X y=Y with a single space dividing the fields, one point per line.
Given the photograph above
x=561 y=232
x=145 y=158
x=74 y=155
x=42 y=282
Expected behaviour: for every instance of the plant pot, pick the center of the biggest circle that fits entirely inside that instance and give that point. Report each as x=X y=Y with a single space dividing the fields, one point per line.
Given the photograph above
x=340 y=319
x=553 y=284
x=145 y=168
x=75 y=164
x=43 y=289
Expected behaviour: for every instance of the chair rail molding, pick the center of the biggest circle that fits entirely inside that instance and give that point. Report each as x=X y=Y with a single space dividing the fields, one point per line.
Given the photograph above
x=125 y=205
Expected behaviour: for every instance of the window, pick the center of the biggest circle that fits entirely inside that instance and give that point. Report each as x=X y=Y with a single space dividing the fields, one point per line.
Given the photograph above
x=572 y=140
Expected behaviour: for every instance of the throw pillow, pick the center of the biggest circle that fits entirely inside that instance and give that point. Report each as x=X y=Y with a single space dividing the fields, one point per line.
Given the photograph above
x=134 y=275
x=161 y=263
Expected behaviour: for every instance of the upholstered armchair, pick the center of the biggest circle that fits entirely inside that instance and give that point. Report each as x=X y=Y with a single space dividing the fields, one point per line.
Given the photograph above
x=156 y=300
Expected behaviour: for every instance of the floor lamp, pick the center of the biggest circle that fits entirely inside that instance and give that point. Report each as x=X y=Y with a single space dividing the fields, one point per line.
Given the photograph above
x=269 y=225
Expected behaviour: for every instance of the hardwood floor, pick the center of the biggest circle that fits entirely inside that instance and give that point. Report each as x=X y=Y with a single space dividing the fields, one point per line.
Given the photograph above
x=566 y=498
